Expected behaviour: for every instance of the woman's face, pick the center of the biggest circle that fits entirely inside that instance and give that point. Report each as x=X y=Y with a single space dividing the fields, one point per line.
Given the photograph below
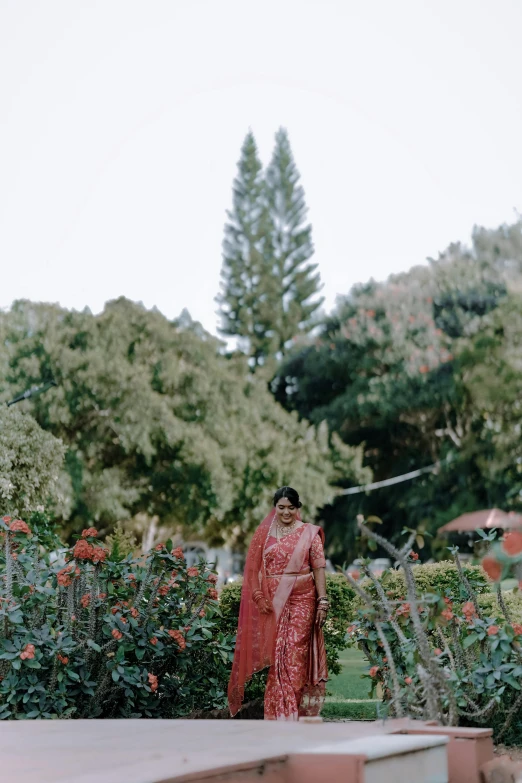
x=285 y=511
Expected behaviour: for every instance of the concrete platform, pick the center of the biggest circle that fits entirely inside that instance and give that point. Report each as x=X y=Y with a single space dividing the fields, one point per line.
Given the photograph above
x=143 y=751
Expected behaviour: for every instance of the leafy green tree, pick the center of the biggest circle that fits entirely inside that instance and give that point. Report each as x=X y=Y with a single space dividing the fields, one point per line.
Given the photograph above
x=30 y=465
x=294 y=281
x=158 y=423
x=419 y=369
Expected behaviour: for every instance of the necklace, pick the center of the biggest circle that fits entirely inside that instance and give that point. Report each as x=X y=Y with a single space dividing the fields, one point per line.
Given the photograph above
x=283 y=530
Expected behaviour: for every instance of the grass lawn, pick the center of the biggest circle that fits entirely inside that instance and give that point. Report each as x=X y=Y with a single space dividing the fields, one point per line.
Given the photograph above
x=349 y=694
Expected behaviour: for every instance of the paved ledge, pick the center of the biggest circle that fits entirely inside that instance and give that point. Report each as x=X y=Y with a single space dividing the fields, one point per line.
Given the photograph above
x=149 y=751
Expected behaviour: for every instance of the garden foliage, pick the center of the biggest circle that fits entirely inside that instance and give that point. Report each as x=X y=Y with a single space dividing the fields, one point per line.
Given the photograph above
x=440 y=643
x=100 y=637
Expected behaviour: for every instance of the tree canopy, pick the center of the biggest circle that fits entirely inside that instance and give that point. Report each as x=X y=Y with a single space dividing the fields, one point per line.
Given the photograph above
x=157 y=422
x=420 y=369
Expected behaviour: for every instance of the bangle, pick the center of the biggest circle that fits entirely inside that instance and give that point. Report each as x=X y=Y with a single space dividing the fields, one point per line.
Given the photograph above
x=323 y=600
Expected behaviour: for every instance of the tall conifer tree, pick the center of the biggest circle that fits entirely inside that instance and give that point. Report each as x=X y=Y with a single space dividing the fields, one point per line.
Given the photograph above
x=243 y=304
x=294 y=282
x=268 y=286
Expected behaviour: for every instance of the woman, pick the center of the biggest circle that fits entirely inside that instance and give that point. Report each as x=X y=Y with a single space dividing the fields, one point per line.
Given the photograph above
x=283 y=609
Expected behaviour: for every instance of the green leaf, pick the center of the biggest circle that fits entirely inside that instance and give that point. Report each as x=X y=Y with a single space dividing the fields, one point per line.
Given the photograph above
x=168 y=546
x=115 y=675
x=469 y=640
x=93 y=645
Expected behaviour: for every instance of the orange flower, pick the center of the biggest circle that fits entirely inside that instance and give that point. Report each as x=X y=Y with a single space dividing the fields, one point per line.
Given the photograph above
x=492 y=630
x=89 y=532
x=492 y=568
x=414 y=555
x=63 y=659
x=28 y=652
x=134 y=612
x=373 y=671
x=83 y=550
x=403 y=610
x=19 y=526
x=447 y=614
x=153 y=681
x=102 y=596
x=63 y=577
x=163 y=590
x=99 y=554
x=153 y=641
x=178 y=637
x=85 y=600
x=517 y=629
x=408 y=680
x=511 y=544
x=116 y=634
x=193 y=571
x=212 y=593
x=6 y=520
x=178 y=553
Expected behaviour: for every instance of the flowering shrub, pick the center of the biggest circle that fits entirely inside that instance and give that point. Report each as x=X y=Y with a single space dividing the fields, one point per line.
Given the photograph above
x=452 y=654
x=99 y=637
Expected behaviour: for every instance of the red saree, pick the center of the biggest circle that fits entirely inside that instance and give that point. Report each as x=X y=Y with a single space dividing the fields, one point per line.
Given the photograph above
x=286 y=639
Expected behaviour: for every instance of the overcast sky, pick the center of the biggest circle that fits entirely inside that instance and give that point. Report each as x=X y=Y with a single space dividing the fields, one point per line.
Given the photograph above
x=121 y=124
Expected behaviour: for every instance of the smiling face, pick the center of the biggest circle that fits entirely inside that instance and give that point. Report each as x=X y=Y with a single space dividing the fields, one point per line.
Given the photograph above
x=285 y=511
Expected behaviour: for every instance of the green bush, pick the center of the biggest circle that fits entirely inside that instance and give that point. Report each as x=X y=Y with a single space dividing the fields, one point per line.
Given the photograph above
x=441 y=578
x=97 y=637
x=341 y=597
x=490 y=606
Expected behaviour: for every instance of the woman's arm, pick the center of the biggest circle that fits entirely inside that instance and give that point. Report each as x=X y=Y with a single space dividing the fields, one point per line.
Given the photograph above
x=322 y=606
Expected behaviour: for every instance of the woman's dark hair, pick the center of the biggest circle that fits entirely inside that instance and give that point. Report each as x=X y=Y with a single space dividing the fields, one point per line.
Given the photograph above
x=288 y=493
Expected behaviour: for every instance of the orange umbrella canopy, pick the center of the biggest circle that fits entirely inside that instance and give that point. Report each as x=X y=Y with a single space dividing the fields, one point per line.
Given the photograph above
x=486 y=519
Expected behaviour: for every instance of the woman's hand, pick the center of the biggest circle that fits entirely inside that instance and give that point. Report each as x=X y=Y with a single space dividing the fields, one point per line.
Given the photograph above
x=263 y=604
x=320 y=615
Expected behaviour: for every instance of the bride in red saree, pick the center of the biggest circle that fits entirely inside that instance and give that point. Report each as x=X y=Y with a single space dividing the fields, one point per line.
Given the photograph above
x=283 y=609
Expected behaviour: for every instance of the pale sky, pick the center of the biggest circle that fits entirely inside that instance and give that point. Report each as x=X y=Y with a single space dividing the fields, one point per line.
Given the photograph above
x=121 y=123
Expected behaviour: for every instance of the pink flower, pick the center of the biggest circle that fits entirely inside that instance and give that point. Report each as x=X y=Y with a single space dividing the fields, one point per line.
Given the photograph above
x=116 y=634
x=178 y=553
x=492 y=568
x=89 y=532
x=408 y=680
x=153 y=641
x=28 y=652
x=153 y=681
x=373 y=671
x=19 y=526
x=178 y=637
x=63 y=577
x=99 y=554
x=492 y=630
x=212 y=578
x=193 y=571
x=85 y=600
x=83 y=550
x=212 y=593
x=511 y=544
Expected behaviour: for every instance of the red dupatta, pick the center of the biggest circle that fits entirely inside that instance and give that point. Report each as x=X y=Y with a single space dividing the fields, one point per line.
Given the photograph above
x=256 y=632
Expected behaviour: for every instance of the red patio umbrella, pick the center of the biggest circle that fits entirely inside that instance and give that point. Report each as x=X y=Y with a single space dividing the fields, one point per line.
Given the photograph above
x=486 y=519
